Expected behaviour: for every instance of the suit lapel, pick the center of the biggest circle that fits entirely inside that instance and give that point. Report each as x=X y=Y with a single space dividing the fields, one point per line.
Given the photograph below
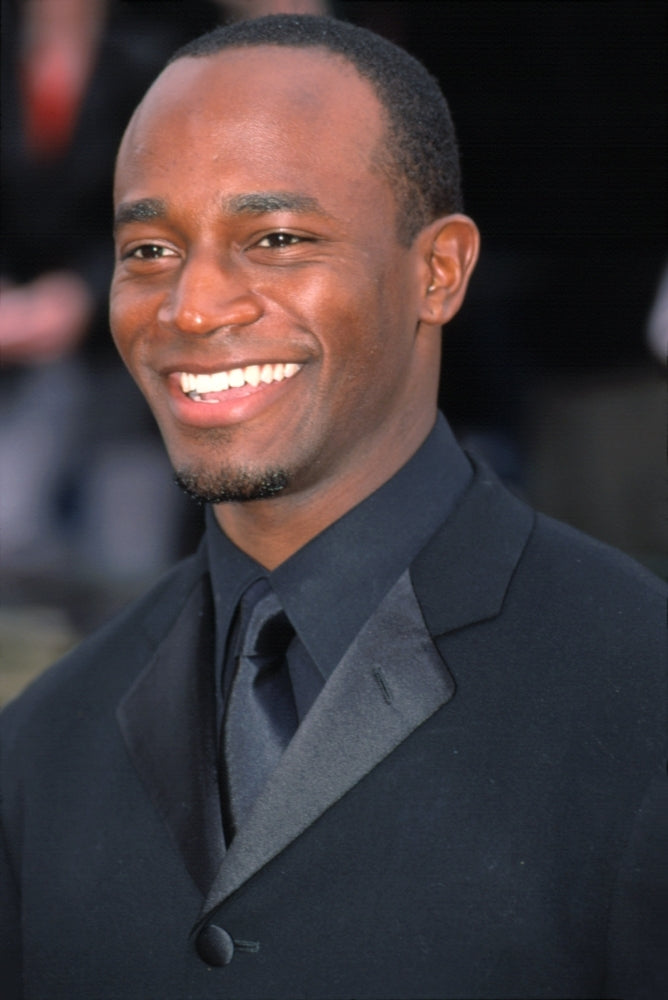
x=390 y=680
x=168 y=724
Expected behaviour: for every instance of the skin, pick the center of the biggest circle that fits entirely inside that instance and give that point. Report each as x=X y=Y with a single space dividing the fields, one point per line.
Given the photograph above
x=203 y=283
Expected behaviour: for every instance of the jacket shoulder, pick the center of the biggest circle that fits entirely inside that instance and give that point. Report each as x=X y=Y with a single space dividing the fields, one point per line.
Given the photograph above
x=496 y=557
x=566 y=557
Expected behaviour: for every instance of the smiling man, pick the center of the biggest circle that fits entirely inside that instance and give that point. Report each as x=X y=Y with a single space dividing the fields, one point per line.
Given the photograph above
x=389 y=733
x=272 y=297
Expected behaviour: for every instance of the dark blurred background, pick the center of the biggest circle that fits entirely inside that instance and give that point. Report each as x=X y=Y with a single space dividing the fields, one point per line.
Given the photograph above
x=554 y=371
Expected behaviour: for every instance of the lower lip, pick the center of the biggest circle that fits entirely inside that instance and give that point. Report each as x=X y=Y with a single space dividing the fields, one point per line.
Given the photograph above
x=232 y=406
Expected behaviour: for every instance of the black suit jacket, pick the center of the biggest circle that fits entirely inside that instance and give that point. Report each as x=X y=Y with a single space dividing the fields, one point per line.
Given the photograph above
x=476 y=805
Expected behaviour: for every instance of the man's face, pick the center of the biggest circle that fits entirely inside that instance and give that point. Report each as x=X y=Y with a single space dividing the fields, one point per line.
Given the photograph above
x=261 y=299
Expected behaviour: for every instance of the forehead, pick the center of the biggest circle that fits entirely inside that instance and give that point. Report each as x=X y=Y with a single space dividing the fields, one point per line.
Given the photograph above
x=264 y=103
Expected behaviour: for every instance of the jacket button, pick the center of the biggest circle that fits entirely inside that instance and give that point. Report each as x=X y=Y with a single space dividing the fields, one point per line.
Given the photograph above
x=215 y=946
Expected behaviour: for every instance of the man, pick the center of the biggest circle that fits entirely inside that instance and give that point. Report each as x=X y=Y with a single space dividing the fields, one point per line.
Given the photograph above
x=473 y=801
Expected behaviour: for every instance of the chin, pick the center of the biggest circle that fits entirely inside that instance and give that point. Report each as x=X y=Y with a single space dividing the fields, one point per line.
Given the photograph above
x=226 y=486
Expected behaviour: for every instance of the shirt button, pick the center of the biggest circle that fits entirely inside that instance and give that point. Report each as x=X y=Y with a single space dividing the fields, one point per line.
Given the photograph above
x=215 y=946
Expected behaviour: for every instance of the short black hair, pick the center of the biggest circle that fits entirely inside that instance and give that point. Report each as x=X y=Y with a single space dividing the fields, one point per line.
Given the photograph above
x=420 y=155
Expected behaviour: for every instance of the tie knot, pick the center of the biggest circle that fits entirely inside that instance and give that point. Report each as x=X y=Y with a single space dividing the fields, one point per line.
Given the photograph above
x=268 y=631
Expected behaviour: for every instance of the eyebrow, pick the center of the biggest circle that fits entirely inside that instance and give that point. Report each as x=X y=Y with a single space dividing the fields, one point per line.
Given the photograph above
x=139 y=211
x=261 y=202
x=254 y=203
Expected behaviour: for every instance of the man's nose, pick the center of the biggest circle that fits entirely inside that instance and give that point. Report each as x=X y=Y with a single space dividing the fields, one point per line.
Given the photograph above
x=209 y=294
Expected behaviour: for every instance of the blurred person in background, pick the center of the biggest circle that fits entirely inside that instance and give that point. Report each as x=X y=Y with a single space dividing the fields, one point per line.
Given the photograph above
x=77 y=450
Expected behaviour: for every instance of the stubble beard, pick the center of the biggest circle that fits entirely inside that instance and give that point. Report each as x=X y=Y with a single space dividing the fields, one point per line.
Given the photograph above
x=225 y=486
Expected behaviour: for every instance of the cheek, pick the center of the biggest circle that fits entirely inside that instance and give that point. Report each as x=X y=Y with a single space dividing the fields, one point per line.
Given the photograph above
x=117 y=315
x=127 y=318
x=371 y=330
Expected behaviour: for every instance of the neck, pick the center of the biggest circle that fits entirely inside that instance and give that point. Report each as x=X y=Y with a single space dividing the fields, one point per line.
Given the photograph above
x=272 y=530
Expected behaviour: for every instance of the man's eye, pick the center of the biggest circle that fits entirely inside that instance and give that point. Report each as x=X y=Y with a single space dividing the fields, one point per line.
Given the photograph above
x=275 y=241
x=150 y=251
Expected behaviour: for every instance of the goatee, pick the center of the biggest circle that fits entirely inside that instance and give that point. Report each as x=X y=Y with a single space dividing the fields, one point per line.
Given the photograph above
x=226 y=488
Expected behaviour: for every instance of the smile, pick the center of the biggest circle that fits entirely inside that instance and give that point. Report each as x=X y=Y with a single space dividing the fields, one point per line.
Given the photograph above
x=199 y=386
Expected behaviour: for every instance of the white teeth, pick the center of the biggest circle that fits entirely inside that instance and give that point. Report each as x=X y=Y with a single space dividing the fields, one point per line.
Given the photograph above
x=252 y=375
x=196 y=386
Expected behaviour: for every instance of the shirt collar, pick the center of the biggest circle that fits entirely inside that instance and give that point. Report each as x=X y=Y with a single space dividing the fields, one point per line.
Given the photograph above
x=331 y=586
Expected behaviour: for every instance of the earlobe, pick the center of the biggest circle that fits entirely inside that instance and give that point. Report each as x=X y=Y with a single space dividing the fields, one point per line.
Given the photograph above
x=451 y=246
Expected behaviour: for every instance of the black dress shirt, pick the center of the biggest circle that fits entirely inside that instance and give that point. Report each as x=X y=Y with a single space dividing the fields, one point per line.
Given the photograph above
x=334 y=583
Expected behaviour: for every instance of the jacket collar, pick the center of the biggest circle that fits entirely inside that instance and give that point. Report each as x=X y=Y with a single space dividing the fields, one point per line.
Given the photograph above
x=463 y=574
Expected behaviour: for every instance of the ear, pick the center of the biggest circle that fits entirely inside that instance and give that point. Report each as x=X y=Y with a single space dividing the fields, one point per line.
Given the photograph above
x=449 y=251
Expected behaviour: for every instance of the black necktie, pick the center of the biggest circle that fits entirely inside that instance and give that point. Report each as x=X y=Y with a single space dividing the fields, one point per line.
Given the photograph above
x=260 y=716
